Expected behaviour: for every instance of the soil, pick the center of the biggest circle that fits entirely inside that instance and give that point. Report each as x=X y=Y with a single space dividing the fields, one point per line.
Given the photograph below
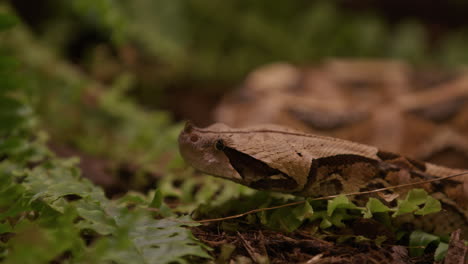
x=266 y=246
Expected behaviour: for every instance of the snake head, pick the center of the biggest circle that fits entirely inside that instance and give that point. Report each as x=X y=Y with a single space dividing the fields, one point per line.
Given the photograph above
x=203 y=151
x=225 y=152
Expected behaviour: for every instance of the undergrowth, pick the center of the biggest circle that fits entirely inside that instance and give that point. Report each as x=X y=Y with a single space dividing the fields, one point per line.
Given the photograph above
x=48 y=212
x=214 y=199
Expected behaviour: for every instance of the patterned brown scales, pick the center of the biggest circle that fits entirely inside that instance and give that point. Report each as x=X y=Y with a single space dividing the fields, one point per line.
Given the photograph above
x=421 y=114
x=275 y=158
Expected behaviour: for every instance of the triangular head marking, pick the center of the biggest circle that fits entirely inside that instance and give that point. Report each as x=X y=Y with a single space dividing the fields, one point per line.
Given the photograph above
x=257 y=174
x=392 y=157
x=333 y=162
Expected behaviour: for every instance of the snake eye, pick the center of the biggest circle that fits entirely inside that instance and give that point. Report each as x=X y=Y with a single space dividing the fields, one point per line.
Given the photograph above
x=219 y=144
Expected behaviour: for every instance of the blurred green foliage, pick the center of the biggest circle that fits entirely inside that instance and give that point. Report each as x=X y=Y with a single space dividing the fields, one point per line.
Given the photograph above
x=208 y=39
x=102 y=121
x=49 y=213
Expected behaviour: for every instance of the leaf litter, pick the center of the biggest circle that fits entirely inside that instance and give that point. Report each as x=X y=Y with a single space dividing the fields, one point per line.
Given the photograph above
x=297 y=234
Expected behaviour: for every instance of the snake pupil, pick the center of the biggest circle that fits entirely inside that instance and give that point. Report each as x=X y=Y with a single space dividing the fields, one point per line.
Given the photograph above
x=219 y=145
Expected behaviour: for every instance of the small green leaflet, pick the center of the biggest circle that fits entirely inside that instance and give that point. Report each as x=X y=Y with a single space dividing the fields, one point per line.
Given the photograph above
x=440 y=252
x=336 y=212
x=288 y=219
x=158 y=203
x=339 y=202
x=419 y=241
x=432 y=205
x=374 y=206
x=413 y=201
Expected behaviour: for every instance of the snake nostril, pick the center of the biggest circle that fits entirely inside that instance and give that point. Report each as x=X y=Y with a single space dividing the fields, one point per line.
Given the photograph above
x=194 y=138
